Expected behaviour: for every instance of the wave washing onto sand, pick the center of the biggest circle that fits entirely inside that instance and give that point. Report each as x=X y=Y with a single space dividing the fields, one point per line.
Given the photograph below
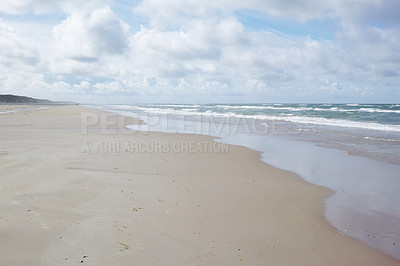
x=22 y=110
x=372 y=133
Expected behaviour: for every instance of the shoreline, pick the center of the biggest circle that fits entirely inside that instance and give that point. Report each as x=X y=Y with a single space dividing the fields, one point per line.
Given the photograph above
x=211 y=208
x=350 y=209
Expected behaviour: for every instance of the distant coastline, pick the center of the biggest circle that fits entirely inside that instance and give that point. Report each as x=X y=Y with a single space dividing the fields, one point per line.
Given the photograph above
x=16 y=99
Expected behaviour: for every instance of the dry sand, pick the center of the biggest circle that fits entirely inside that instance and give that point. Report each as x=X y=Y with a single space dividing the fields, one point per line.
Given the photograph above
x=63 y=203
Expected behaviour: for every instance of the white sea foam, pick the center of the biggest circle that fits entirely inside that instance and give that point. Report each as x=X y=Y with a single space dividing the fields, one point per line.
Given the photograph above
x=120 y=107
x=296 y=109
x=258 y=107
x=175 y=105
x=7 y=112
x=190 y=109
x=382 y=139
x=342 y=123
x=167 y=111
x=369 y=110
x=23 y=109
x=375 y=110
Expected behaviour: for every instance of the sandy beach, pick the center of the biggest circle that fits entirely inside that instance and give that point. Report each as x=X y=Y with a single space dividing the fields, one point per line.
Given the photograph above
x=75 y=190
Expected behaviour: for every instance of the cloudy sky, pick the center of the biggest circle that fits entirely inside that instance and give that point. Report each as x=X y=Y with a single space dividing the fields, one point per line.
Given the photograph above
x=120 y=51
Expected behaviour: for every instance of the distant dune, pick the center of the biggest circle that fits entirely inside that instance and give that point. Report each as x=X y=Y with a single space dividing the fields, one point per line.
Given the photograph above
x=21 y=99
x=15 y=99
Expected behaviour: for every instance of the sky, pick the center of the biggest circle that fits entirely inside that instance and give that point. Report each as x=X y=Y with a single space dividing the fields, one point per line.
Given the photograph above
x=209 y=51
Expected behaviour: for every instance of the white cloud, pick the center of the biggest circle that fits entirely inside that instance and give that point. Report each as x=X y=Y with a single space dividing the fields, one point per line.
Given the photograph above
x=86 y=36
x=13 y=50
x=200 y=50
x=108 y=88
x=47 y=6
x=20 y=63
x=164 y=13
x=25 y=6
x=366 y=12
x=197 y=40
x=302 y=10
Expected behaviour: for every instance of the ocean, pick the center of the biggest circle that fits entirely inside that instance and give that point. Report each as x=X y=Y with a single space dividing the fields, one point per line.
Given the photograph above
x=370 y=130
x=353 y=149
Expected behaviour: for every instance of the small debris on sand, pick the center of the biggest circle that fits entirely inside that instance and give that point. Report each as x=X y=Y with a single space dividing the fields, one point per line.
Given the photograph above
x=123 y=246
